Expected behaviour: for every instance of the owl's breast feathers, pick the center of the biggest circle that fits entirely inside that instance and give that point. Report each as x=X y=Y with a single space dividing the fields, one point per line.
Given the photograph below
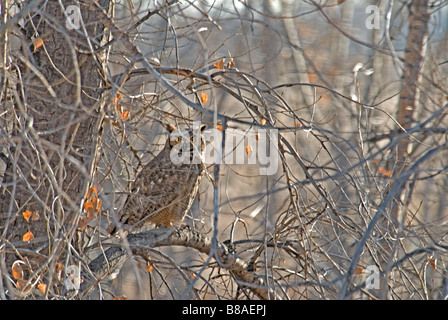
x=161 y=195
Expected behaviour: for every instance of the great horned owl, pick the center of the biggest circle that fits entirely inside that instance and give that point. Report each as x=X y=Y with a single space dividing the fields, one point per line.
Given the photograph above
x=165 y=188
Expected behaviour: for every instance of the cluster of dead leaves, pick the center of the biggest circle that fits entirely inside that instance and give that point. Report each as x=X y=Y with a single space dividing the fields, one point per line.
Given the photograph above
x=23 y=272
x=123 y=112
x=223 y=65
x=20 y=272
x=382 y=170
x=92 y=206
x=29 y=216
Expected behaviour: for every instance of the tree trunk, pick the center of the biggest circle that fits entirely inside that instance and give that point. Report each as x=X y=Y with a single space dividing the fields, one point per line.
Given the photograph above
x=407 y=106
x=51 y=155
x=413 y=63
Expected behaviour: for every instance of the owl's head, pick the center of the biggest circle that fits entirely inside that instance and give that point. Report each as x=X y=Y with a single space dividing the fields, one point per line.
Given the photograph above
x=187 y=145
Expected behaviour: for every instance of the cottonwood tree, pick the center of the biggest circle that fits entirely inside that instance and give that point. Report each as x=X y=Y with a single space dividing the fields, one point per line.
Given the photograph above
x=355 y=94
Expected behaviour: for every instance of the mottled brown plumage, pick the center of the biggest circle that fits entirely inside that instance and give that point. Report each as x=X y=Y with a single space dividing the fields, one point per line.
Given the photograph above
x=163 y=191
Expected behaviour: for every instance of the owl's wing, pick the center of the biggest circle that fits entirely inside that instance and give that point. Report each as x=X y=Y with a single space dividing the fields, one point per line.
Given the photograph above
x=160 y=187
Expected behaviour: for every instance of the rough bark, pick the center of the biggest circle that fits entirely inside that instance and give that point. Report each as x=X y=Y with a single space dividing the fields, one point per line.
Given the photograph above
x=51 y=153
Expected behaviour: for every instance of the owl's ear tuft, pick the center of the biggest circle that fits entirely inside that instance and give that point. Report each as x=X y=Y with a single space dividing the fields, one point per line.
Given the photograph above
x=170 y=127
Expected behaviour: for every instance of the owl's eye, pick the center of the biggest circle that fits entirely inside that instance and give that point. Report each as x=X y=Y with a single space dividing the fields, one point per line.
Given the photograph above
x=179 y=139
x=192 y=139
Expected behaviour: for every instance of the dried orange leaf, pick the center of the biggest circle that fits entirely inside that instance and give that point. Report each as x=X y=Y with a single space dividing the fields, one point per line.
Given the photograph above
x=385 y=172
x=37 y=43
x=28 y=236
x=117 y=98
x=58 y=269
x=359 y=270
x=42 y=287
x=219 y=64
x=432 y=262
x=92 y=208
x=204 y=98
x=263 y=121
x=92 y=189
x=120 y=298
x=88 y=205
x=149 y=267
x=124 y=115
x=231 y=64
x=249 y=151
x=192 y=275
x=27 y=215
x=17 y=270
